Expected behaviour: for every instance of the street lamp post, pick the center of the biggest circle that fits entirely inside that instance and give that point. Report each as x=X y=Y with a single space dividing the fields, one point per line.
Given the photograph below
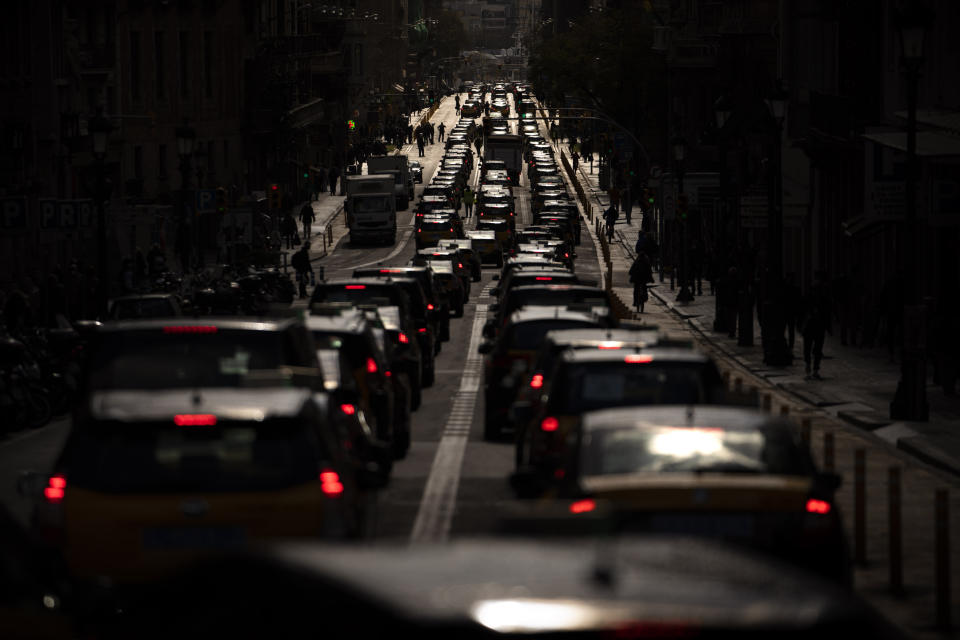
x=679 y=152
x=186 y=136
x=721 y=109
x=772 y=332
x=100 y=128
x=910 y=401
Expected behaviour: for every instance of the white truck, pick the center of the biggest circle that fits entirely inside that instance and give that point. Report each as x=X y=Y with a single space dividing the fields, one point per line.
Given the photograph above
x=371 y=208
x=506 y=147
x=403 y=180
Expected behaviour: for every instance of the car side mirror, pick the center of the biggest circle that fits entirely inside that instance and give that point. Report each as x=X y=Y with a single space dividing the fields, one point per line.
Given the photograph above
x=486 y=346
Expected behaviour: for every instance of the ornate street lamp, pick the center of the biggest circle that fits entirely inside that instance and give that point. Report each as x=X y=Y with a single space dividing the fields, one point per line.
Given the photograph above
x=910 y=401
x=679 y=153
x=100 y=129
x=776 y=352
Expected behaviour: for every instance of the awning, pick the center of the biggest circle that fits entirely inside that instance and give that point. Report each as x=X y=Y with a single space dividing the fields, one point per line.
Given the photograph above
x=929 y=143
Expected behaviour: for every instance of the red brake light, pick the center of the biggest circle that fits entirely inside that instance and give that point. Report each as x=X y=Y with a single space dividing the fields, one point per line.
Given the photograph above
x=190 y=329
x=636 y=358
x=422 y=330
x=402 y=337
x=348 y=409
x=818 y=506
x=195 y=420
x=459 y=265
x=371 y=365
x=451 y=229
x=356 y=286
x=330 y=483
x=544 y=278
x=391 y=270
x=388 y=373
x=549 y=424
x=536 y=381
x=583 y=506
x=429 y=307
x=54 y=490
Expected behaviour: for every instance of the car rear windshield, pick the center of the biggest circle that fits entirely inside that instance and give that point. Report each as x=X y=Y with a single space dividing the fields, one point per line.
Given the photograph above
x=131 y=458
x=689 y=449
x=380 y=295
x=529 y=335
x=554 y=297
x=585 y=386
x=143 y=308
x=159 y=360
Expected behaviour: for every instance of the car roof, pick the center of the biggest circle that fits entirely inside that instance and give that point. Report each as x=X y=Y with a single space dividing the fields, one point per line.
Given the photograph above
x=656 y=353
x=583 y=337
x=480 y=234
x=228 y=324
x=547 y=312
x=701 y=415
x=346 y=322
x=567 y=286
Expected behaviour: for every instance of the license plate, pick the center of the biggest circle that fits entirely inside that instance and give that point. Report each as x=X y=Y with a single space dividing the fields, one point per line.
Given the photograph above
x=193 y=537
x=719 y=525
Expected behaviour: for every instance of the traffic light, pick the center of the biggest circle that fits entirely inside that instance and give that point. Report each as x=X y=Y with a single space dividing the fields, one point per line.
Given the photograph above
x=275 y=196
x=649 y=198
x=221 y=200
x=682 y=206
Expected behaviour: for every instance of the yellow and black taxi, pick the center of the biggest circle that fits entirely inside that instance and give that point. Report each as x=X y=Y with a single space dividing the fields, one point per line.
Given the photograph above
x=588 y=379
x=550 y=294
x=433 y=228
x=487 y=246
x=732 y=473
x=466 y=254
x=435 y=255
x=502 y=230
x=449 y=284
x=510 y=353
x=194 y=436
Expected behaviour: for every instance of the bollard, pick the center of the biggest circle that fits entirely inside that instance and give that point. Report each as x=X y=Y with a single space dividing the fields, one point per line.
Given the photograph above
x=806 y=426
x=942 y=557
x=609 y=276
x=860 y=506
x=828 y=451
x=894 y=530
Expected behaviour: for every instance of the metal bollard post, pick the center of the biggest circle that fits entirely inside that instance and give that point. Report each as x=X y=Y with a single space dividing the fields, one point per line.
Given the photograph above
x=942 y=557
x=828 y=451
x=860 y=505
x=806 y=426
x=894 y=530
x=609 y=276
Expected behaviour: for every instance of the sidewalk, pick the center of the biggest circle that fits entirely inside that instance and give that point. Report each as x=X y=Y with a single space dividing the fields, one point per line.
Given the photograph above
x=858 y=383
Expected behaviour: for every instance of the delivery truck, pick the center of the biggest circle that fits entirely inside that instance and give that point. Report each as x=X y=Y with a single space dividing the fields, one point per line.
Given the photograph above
x=403 y=180
x=371 y=208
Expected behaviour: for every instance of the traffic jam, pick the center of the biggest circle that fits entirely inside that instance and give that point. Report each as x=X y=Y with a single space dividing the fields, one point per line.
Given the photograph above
x=218 y=468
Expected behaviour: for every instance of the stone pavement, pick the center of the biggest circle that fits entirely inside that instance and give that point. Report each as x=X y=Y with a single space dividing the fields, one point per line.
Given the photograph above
x=843 y=419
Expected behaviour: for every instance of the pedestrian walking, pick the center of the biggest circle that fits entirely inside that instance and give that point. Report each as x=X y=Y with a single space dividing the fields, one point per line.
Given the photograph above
x=288 y=227
x=817 y=311
x=576 y=161
x=641 y=275
x=468 y=198
x=610 y=218
x=307 y=218
x=334 y=176
x=456 y=104
x=420 y=144
x=301 y=264
x=626 y=203
x=440 y=130
x=430 y=131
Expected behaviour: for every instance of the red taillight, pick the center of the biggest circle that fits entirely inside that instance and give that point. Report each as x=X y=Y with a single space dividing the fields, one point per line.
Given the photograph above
x=451 y=229
x=402 y=338
x=371 y=365
x=194 y=419
x=190 y=329
x=391 y=270
x=330 y=483
x=422 y=330
x=356 y=286
x=566 y=255
x=536 y=381
x=818 y=506
x=54 y=490
x=348 y=409
x=429 y=307
x=511 y=213
x=549 y=424
x=387 y=373
x=583 y=506
x=544 y=278
x=636 y=358
x=459 y=265
x=419 y=230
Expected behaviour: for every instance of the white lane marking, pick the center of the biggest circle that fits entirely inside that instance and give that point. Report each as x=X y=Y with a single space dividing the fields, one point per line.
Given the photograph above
x=401 y=245
x=435 y=514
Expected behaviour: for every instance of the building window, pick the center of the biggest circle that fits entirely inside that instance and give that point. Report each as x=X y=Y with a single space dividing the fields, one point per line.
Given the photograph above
x=184 y=64
x=159 y=66
x=135 y=66
x=208 y=64
x=162 y=161
x=138 y=162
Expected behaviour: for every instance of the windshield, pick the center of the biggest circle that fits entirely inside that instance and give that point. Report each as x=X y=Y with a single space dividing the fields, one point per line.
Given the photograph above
x=670 y=449
x=597 y=385
x=157 y=360
x=371 y=204
x=529 y=335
